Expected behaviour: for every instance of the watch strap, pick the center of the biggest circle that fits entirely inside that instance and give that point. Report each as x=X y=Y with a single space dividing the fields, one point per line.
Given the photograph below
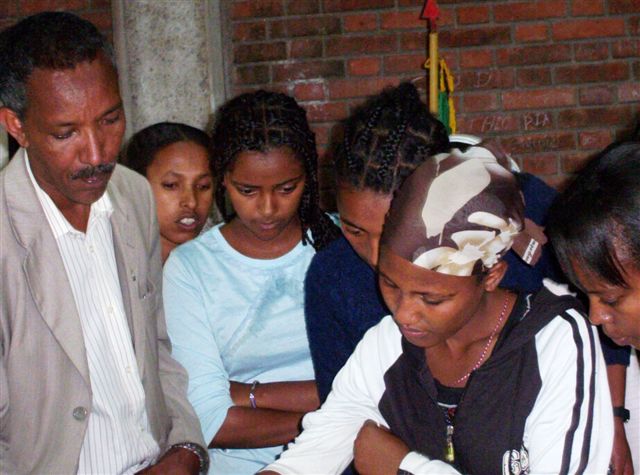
x=622 y=412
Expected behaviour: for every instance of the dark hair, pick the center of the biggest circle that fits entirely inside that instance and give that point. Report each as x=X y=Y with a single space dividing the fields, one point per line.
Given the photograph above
x=261 y=121
x=48 y=40
x=144 y=144
x=386 y=139
x=599 y=212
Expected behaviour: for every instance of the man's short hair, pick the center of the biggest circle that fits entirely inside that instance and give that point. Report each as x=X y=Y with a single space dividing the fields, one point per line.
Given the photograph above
x=48 y=40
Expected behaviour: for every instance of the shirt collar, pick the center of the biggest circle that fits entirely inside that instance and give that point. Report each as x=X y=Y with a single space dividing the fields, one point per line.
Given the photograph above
x=102 y=208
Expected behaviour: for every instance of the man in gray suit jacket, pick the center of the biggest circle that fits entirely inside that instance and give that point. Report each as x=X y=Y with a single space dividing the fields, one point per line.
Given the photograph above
x=87 y=382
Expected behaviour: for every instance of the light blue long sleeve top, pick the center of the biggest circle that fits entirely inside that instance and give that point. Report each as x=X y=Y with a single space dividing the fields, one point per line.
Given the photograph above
x=234 y=318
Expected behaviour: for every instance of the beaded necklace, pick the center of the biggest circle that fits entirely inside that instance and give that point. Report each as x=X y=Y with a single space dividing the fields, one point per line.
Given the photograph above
x=489 y=341
x=449 y=454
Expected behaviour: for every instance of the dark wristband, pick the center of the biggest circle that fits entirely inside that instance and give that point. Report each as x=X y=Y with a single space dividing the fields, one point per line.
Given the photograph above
x=621 y=412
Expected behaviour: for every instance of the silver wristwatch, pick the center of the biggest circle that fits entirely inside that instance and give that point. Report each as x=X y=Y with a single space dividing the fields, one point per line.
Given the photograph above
x=201 y=453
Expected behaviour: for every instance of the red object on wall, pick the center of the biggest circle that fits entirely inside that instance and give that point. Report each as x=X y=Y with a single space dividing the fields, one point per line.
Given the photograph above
x=430 y=11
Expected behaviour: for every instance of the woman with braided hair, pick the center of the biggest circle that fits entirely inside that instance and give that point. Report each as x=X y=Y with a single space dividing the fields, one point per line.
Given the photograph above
x=463 y=376
x=384 y=141
x=234 y=296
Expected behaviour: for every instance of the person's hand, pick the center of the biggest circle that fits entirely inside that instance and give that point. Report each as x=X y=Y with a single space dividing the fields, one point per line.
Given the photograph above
x=177 y=461
x=621 y=455
x=377 y=451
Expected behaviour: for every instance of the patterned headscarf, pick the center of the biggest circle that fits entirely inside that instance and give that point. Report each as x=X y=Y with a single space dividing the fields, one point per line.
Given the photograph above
x=459 y=215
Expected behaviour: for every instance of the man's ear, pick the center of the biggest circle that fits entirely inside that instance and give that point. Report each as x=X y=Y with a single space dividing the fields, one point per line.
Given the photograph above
x=494 y=275
x=11 y=122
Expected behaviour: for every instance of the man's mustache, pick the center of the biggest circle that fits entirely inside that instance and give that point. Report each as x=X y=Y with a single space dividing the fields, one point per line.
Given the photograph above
x=90 y=171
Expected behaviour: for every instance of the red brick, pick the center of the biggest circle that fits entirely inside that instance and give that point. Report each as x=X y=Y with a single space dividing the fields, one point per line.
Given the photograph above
x=587 y=7
x=97 y=4
x=8 y=8
x=596 y=95
x=307 y=26
x=636 y=70
x=591 y=73
x=309 y=91
x=365 y=66
x=323 y=134
x=487 y=124
x=348 y=88
x=536 y=99
x=403 y=63
x=256 y=52
x=594 y=116
x=480 y=102
x=451 y=58
x=534 y=55
x=531 y=33
x=588 y=29
x=473 y=14
x=591 y=51
x=629 y=92
x=628 y=48
x=597 y=139
x=254 y=31
x=253 y=9
x=491 y=35
x=258 y=74
x=414 y=3
x=536 y=120
x=350 y=5
x=544 y=164
x=307 y=70
x=624 y=6
x=237 y=90
x=297 y=7
x=326 y=111
x=349 y=45
x=101 y=19
x=360 y=22
x=534 y=10
x=487 y=79
x=539 y=143
x=29 y=7
x=574 y=162
x=401 y=20
x=533 y=77
x=413 y=41
x=634 y=25
x=447 y=17
x=476 y=58
x=306 y=48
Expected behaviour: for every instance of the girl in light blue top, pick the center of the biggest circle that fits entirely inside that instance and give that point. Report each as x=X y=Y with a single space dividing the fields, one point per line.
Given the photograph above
x=234 y=296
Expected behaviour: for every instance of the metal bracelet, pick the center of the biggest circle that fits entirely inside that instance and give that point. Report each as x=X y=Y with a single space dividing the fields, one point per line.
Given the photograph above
x=201 y=453
x=252 y=396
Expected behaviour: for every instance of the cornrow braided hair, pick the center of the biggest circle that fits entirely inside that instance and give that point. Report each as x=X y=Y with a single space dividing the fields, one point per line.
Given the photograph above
x=385 y=139
x=261 y=121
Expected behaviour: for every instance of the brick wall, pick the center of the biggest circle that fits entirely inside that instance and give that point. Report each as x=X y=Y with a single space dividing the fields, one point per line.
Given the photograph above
x=553 y=80
x=97 y=12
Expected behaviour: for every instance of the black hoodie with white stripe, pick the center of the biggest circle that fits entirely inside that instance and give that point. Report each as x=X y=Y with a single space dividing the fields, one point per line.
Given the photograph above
x=539 y=404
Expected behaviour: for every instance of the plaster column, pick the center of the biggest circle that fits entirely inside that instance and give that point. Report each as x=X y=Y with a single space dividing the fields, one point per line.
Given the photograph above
x=170 y=60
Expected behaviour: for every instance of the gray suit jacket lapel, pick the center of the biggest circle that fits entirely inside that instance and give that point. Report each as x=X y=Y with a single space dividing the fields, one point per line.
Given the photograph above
x=127 y=249
x=43 y=265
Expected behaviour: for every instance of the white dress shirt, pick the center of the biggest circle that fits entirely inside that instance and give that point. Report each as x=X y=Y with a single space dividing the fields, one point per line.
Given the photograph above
x=118 y=437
